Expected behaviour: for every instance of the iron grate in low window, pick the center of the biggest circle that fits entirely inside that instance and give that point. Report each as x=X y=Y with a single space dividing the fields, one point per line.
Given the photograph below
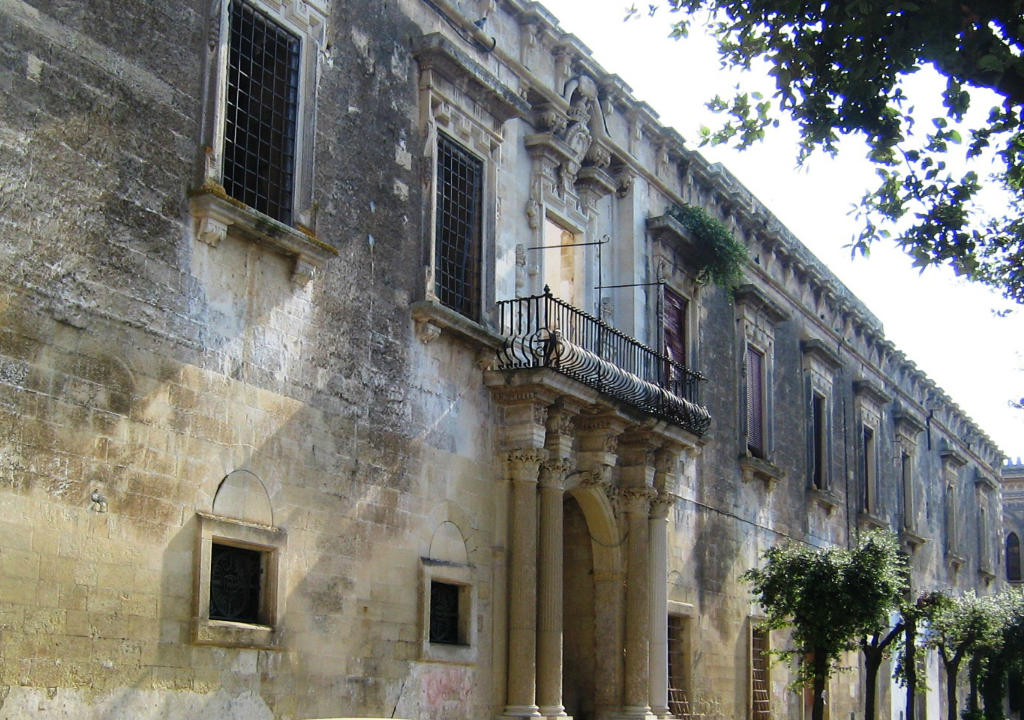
x=444 y=613
x=235 y=582
x=262 y=113
x=457 y=254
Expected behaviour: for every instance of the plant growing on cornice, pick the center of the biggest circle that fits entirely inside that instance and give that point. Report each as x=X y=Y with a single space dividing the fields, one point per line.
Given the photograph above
x=719 y=256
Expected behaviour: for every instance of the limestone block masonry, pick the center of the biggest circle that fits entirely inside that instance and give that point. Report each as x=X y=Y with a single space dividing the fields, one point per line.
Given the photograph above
x=341 y=454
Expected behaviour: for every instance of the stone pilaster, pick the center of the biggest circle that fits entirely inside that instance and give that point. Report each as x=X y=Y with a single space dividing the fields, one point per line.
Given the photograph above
x=658 y=540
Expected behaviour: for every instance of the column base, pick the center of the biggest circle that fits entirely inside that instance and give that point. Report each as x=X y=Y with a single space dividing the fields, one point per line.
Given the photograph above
x=635 y=712
x=516 y=712
x=555 y=712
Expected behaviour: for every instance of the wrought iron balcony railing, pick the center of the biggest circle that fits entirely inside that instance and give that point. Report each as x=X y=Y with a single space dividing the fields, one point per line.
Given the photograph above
x=543 y=331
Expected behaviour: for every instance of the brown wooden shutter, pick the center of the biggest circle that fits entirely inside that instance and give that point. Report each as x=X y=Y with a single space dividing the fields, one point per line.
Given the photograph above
x=675 y=326
x=755 y=402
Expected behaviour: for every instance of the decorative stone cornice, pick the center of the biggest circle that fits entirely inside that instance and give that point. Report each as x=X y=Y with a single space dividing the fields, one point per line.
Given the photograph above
x=436 y=52
x=908 y=424
x=818 y=350
x=874 y=392
x=753 y=297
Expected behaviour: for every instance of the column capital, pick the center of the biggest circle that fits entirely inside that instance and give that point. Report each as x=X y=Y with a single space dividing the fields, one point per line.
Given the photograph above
x=661 y=505
x=637 y=499
x=524 y=463
x=553 y=472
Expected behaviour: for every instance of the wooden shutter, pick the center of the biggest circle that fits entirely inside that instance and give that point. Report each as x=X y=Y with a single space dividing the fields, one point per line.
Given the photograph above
x=755 y=402
x=675 y=326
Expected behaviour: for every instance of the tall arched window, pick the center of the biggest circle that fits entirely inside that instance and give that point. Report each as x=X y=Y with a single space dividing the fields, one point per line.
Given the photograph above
x=1013 y=557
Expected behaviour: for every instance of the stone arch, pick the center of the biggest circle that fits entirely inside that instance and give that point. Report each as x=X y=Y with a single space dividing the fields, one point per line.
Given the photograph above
x=448 y=544
x=605 y=535
x=243 y=496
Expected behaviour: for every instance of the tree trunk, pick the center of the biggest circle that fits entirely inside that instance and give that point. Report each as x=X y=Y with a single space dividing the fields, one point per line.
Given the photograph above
x=973 y=671
x=820 y=661
x=872 y=661
x=910 y=664
x=952 y=670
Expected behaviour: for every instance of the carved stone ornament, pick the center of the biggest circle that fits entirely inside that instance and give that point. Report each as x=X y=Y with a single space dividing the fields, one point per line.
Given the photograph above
x=524 y=462
x=637 y=499
x=662 y=505
x=553 y=472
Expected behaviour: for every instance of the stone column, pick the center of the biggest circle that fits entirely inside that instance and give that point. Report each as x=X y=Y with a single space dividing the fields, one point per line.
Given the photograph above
x=553 y=473
x=549 y=591
x=636 y=502
x=637 y=470
x=658 y=538
x=666 y=480
x=523 y=468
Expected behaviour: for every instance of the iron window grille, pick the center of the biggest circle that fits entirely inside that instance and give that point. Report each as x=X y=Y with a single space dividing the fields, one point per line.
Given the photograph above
x=457 y=235
x=262 y=112
x=235 y=584
x=444 y=613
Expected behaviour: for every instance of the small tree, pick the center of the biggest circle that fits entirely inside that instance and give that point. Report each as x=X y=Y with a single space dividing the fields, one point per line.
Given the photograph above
x=829 y=597
x=964 y=628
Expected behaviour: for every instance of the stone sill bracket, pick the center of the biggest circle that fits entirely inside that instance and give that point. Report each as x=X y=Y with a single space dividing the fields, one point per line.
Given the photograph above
x=216 y=215
x=871 y=521
x=757 y=469
x=912 y=539
x=826 y=498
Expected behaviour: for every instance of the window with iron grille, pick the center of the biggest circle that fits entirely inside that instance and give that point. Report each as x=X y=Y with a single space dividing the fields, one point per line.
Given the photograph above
x=679 y=701
x=760 y=685
x=262 y=112
x=235 y=584
x=444 y=613
x=755 y=402
x=458 y=228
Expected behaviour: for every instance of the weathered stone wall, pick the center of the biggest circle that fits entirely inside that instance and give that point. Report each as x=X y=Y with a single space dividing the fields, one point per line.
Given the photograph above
x=144 y=366
x=141 y=367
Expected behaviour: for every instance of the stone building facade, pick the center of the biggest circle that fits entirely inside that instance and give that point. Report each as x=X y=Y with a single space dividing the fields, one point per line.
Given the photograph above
x=353 y=361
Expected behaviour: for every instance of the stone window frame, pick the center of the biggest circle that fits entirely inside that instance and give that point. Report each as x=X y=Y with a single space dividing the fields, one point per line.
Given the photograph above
x=464 y=101
x=271 y=543
x=952 y=463
x=1013 y=558
x=683 y=615
x=908 y=428
x=757 y=318
x=869 y=399
x=984 y=487
x=821 y=364
x=755 y=627
x=461 y=575
x=215 y=213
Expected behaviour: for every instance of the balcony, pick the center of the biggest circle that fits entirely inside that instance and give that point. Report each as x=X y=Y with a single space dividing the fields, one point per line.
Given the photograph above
x=542 y=331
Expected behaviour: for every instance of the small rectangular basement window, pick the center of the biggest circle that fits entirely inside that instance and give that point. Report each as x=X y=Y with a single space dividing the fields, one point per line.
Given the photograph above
x=236 y=588
x=444 y=613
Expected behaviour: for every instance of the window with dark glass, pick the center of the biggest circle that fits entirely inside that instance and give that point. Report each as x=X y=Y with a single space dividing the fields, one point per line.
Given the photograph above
x=235 y=583
x=819 y=448
x=1013 y=558
x=444 y=613
x=262 y=112
x=458 y=228
x=755 y=411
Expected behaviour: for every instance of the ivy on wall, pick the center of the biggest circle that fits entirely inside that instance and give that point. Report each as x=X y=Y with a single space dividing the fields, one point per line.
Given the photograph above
x=719 y=256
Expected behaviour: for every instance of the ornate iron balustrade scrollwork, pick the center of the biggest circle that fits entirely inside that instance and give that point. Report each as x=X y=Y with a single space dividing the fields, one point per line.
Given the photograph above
x=543 y=331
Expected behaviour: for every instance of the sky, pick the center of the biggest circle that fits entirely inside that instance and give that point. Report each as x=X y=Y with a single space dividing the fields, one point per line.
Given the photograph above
x=947 y=326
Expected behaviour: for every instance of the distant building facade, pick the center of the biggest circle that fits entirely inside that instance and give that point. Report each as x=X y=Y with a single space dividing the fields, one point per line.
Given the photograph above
x=355 y=360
